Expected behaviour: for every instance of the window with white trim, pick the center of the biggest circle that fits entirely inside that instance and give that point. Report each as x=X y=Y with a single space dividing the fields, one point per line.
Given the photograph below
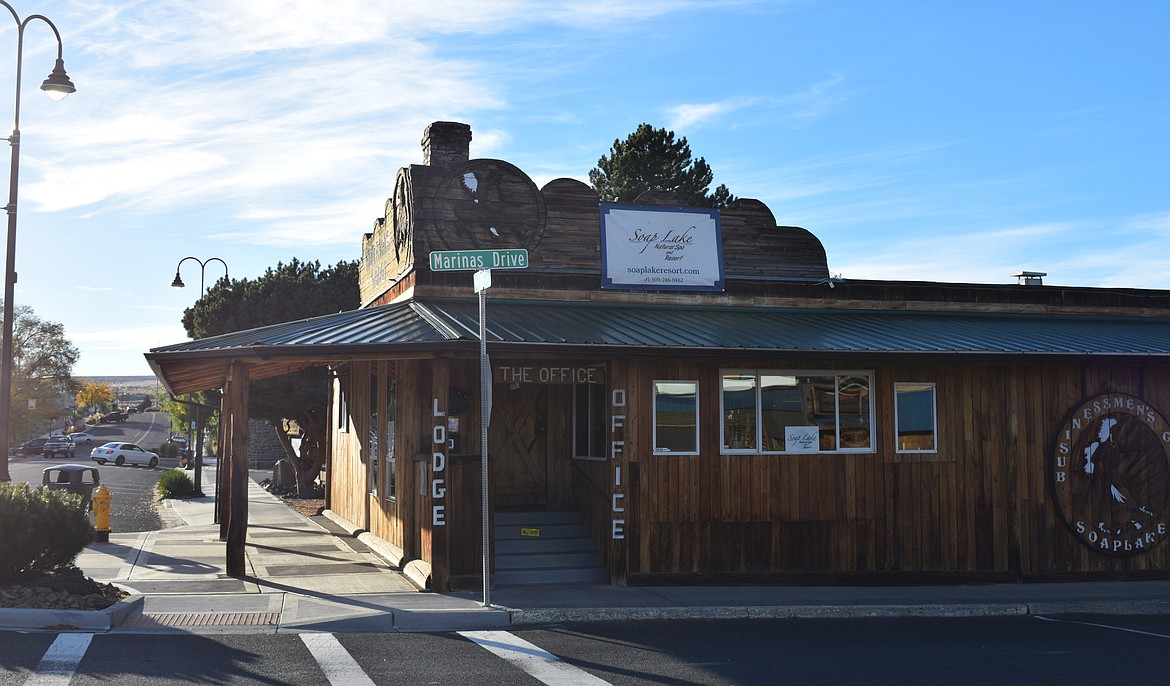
x=915 y=418
x=766 y=411
x=676 y=417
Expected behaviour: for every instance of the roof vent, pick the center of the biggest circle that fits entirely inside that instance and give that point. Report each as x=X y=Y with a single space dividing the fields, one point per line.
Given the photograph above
x=1030 y=278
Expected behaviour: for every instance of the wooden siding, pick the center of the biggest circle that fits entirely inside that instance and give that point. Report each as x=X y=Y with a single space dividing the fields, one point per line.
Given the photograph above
x=979 y=507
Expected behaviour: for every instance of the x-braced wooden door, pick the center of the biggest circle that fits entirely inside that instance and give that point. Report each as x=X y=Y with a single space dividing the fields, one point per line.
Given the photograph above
x=518 y=446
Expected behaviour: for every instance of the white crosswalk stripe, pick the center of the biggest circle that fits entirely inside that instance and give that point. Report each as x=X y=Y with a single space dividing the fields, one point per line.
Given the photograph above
x=60 y=660
x=536 y=661
x=335 y=661
x=59 y=663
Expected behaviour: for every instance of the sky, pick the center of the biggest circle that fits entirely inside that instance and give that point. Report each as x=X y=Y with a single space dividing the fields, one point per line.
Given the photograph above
x=917 y=139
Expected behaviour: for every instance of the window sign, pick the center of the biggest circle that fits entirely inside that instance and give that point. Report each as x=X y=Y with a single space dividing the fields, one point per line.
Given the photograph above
x=661 y=248
x=802 y=439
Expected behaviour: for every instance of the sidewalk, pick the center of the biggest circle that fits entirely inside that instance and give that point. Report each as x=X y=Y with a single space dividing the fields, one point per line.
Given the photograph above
x=304 y=574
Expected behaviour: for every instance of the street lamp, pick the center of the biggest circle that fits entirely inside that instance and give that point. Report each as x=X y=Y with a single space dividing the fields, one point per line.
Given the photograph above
x=178 y=284
x=57 y=85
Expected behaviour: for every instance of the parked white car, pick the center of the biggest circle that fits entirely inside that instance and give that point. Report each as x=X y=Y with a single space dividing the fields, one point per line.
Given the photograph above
x=121 y=453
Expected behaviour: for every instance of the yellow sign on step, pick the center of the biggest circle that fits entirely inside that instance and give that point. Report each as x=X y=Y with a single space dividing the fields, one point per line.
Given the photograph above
x=530 y=532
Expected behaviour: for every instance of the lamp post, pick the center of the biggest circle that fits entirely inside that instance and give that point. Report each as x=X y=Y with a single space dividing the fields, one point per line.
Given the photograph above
x=57 y=86
x=177 y=284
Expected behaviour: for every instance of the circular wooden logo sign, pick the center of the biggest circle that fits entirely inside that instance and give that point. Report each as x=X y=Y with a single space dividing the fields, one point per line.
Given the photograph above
x=1110 y=467
x=488 y=204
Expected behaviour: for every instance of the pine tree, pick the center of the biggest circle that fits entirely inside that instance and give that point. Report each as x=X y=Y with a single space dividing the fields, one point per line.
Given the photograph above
x=651 y=159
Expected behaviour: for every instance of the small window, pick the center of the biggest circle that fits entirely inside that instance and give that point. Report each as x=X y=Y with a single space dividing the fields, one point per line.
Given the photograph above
x=589 y=421
x=341 y=385
x=372 y=448
x=389 y=438
x=676 y=417
x=915 y=423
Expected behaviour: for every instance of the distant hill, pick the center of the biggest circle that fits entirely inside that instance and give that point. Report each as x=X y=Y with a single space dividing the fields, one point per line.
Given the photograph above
x=126 y=385
x=130 y=380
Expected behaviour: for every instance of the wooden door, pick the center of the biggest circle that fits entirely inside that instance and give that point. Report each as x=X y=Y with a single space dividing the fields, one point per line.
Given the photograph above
x=517 y=446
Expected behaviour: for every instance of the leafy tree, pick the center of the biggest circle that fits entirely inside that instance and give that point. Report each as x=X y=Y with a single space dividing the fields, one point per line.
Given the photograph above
x=287 y=292
x=42 y=367
x=181 y=411
x=651 y=159
x=93 y=394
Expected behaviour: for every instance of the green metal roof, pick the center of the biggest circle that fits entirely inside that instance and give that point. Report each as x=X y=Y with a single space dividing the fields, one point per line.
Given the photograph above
x=440 y=323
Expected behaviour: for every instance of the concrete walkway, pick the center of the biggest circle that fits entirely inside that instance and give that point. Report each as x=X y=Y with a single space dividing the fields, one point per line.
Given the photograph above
x=305 y=574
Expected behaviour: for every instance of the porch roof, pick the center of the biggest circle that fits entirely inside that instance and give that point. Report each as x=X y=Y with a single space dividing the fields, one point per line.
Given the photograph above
x=426 y=326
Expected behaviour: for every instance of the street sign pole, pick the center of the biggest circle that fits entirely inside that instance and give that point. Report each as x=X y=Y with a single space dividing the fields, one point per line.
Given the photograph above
x=483 y=262
x=483 y=281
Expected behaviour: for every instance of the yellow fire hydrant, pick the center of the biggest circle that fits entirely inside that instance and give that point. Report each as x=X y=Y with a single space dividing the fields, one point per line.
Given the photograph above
x=101 y=514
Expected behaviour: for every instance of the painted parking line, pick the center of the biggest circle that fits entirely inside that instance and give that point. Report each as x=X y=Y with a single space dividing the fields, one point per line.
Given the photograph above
x=536 y=661
x=1103 y=626
x=335 y=661
x=60 y=661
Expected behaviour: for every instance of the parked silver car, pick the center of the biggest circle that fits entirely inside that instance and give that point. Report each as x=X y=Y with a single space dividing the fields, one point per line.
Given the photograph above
x=121 y=453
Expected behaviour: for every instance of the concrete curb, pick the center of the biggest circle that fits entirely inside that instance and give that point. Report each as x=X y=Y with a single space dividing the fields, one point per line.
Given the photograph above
x=392 y=554
x=524 y=617
x=346 y=525
x=1110 y=607
x=389 y=552
x=528 y=617
x=69 y=620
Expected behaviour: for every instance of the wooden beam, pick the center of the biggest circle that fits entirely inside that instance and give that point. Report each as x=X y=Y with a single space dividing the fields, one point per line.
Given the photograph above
x=236 y=401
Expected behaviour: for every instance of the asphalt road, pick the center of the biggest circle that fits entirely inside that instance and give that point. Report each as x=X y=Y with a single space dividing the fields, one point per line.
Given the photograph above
x=133 y=506
x=1063 y=650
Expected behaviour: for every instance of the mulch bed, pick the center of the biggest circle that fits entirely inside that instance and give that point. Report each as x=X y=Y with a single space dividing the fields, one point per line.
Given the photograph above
x=67 y=589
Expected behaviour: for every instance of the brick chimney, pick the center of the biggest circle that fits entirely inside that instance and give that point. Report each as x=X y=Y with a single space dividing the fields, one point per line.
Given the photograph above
x=446 y=144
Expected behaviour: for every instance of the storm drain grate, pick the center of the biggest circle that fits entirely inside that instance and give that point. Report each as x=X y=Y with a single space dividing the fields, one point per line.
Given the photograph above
x=204 y=619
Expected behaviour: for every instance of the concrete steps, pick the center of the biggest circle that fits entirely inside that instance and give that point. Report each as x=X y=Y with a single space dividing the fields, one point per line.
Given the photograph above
x=556 y=550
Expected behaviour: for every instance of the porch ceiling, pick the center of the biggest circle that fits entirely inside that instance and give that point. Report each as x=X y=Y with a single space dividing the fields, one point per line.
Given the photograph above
x=422 y=328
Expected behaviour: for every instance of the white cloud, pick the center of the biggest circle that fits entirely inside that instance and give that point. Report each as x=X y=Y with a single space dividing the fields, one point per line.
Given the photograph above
x=817 y=100
x=694 y=115
x=132 y=339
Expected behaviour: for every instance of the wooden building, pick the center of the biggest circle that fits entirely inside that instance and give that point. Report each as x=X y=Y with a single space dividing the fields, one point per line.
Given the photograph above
x=680 y=395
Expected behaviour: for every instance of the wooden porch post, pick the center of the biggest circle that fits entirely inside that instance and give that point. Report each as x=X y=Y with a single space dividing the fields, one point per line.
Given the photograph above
x=235 y=453
x=223 y=468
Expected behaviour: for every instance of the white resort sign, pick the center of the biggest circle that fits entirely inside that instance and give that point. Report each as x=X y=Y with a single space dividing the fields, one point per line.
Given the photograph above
x=661 y=248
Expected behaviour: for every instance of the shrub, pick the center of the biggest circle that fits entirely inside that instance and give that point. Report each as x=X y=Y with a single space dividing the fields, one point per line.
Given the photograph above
x=174 y=483
x=44 y=531
x=167 y=450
